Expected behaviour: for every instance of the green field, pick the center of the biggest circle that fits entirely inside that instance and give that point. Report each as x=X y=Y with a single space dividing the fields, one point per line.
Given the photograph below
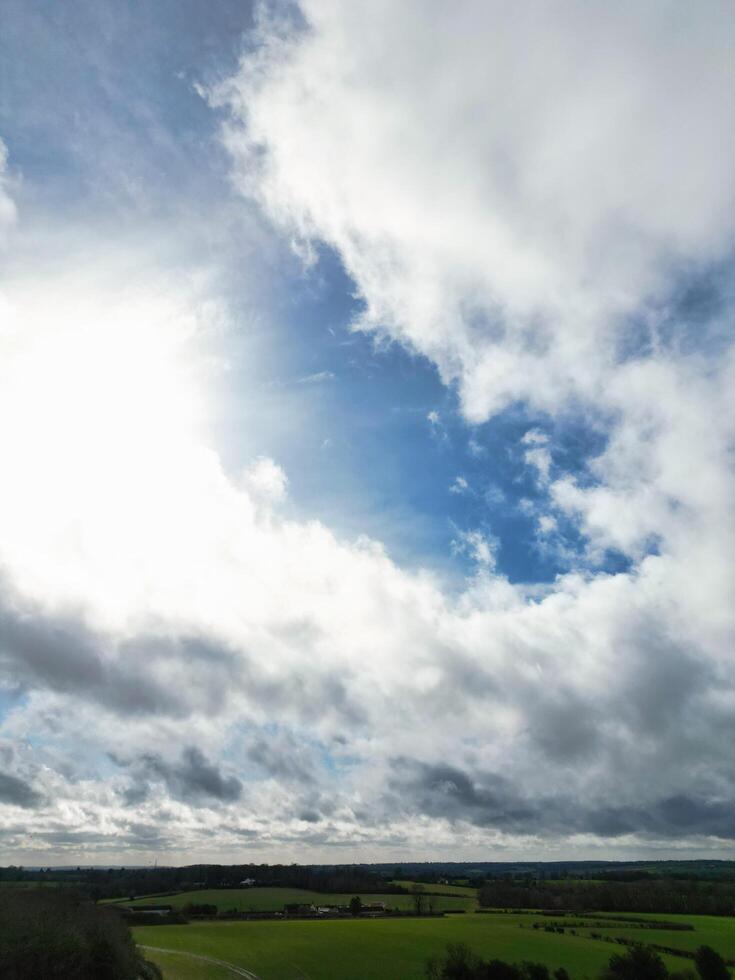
x=178 y=967
x=273 y=899
x=442 y=889
x=378 y=949
x=709 y=930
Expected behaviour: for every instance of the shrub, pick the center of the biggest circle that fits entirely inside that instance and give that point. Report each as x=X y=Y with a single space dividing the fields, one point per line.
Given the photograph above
x=710 y=965
x=640 y=963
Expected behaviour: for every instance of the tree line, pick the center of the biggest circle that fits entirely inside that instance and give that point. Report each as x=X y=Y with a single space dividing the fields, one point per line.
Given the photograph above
x=659 y=895
x=98 y=883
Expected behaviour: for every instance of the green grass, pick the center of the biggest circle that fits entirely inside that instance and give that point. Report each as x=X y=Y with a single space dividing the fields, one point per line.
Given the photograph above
x=443 y=889
x=273 y=899
x=379 y=949
x=709 y=930
x=176 y=967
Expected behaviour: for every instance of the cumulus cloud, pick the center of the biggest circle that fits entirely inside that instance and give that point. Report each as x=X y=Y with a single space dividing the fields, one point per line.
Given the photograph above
x=266 y=481
x=574 y=185
x=517 y=196
x=541 y=260
x=192 y=777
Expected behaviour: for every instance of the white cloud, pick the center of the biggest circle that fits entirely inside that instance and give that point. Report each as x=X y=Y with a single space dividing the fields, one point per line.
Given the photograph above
x=547 y=524
x=266 y=480
x=571 y=187
x=540 y=459
x=518 y=196
x=535 y=437
x=478 y=546
x=8 y=210
x=501 y=215
x=460 y=486
x=319 y=378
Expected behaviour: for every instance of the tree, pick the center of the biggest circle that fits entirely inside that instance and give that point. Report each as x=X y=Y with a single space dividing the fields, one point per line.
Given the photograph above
x=498 y=970
x=419 y=899
x=710 y=965
x=535 y=971
x=54 y=933
x=460 y=964
x=640 y=963
x=561 y=974
x=355 y=906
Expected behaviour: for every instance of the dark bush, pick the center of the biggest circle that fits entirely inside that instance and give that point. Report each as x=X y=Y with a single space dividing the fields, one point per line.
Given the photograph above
x=640 y=963
x=710 y=965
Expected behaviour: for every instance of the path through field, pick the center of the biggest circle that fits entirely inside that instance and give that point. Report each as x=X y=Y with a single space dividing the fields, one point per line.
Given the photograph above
x=237 y=970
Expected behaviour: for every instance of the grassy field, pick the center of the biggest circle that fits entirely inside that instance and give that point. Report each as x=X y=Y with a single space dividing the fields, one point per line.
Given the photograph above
x=379 y=949
x=273 y=899
x=177 y=967
x=443 y=889
x=709 y=930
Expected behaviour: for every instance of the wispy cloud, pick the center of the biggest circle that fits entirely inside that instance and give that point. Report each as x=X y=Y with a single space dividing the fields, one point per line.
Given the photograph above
x=316 y=379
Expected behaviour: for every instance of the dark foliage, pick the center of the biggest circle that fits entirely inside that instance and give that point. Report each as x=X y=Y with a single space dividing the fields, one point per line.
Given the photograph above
x=100 y=883
x=200 y=908
x=710 y=965
x=460 y=963
x=672 y=894
x=639 y=964
x=52 y=933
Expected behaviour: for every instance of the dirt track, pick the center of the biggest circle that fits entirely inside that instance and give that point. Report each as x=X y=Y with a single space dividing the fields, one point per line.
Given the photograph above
x=237 y=970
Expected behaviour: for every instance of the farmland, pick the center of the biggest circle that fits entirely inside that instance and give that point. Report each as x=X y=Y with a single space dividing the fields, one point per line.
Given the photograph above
x=384 y=949
x=710 y=930
x=176 y=966
x=273 y=899
x=465 y=890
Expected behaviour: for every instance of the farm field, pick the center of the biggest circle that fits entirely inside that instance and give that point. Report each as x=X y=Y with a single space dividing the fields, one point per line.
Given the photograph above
x=273 y=899
x=378 y=949
x=465 y=890
x=709 y=930
x=178 y=967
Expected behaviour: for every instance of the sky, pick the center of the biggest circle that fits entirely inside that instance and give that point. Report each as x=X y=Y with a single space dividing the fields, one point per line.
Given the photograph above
x=367 y=414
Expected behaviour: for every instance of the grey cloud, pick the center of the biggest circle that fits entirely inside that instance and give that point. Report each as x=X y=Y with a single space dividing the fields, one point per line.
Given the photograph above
x=564 y=728
x=285 y=758
x=133 y=677
x=18 y=792
x=137 y=792
x=312 y=694
x=491 y=800
x=143 y=675
x=660 y=681
x=445 y=791
x=670 y=817
x=193 y=779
